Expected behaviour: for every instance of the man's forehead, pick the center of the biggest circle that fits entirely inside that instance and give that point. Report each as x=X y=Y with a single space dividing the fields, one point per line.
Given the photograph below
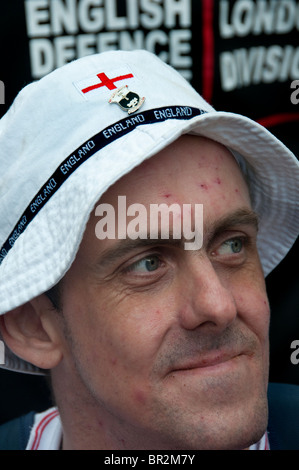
x=172 y=163
x=177 y=179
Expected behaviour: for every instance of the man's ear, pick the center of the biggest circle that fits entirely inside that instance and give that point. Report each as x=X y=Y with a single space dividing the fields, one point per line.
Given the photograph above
x=32 y=333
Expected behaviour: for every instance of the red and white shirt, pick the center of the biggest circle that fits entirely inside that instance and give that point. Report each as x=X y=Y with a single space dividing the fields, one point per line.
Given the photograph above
x=46 y=433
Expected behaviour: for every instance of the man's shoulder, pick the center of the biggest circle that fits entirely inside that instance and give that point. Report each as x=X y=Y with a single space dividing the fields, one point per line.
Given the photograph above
x=283 y=425
x=14 y=434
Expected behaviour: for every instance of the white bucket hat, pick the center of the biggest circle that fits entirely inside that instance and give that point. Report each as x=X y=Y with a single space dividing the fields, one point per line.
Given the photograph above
x=75 y=132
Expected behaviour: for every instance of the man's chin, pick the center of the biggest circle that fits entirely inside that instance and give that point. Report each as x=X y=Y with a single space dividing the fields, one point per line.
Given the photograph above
x=217 y=414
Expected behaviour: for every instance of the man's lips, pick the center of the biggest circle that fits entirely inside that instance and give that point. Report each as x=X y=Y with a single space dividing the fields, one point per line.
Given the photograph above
x=207 y=361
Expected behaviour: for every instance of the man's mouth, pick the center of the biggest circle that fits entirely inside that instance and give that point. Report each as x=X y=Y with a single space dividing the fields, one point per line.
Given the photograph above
x=211 y=362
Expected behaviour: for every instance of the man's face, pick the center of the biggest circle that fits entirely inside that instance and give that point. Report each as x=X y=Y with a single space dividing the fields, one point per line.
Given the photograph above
x=171 y=345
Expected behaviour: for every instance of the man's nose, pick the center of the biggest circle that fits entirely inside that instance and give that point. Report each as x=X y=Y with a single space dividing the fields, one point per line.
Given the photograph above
x=208 y=300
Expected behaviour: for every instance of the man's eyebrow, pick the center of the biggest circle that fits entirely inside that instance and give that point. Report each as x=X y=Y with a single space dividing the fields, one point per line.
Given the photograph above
x=243 y=216
x=125 y=246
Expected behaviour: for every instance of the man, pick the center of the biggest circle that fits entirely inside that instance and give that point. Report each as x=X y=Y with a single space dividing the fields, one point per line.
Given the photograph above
x=154 y=330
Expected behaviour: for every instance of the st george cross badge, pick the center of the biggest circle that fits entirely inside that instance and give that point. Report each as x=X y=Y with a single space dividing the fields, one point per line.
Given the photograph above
x=128 y=100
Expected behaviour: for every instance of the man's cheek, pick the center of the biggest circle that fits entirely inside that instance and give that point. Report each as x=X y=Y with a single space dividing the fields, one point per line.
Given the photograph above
x=253 y=306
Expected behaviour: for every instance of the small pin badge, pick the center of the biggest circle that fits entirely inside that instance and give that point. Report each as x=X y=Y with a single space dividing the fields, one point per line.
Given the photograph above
x=128 y=100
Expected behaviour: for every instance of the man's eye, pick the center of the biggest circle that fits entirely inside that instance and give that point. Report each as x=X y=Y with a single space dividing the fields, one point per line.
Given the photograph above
x=232 y=246
x=145 y=265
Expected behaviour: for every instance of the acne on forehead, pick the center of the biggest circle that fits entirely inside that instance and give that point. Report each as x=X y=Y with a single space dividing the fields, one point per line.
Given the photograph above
x=173 y=169
x=205 y=152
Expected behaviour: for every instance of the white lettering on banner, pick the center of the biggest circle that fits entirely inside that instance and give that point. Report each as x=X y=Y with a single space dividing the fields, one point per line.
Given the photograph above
x=62 y=30
x=246 y=66
x=243 y=67
x=257 y=17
